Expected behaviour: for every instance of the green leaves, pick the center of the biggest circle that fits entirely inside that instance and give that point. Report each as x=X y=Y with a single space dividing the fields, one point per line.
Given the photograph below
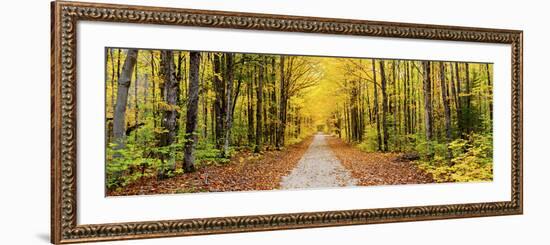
x=123 y=165
x=128 y=165
x=472 y=161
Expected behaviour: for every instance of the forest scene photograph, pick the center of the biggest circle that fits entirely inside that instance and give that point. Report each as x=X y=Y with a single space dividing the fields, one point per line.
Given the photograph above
x=192 y=121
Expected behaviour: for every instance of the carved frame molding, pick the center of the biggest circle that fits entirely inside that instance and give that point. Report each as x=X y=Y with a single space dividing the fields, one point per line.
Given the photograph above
x=65 y=16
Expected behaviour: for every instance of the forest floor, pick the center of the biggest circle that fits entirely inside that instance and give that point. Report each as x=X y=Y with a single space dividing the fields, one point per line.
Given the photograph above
x=318 y=168
x=316 y=162
x=374 y=168
x=245 y=172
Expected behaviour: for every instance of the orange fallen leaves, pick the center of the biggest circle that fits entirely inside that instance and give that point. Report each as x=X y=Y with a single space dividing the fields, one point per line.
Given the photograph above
x=377 y=168
x=245 y=172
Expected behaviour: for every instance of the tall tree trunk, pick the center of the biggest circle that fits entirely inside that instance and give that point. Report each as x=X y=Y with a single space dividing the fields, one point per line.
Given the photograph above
x=397 y=97
x=447 y=110
x=124 y=81
x=454 y=91
x=396 y=101
x=192 y=112
x=346 y=121
x=219 y=104
x=235 y=97
x=203 y=99
x=250 y=109
x=110 y=107
x=228 y=93
x=338 y=123
x=154 y=92
x=367 y=98
x=273 y=103
x=113 y=74
x=468 y=99
x=182 y=77
x=353 y=115
x=118 y=69
x=282 y=105
x=362 y=119
x=136 y=105
x=376 y=110
x=259 y=107
x=146 y=92
x=213 y=121
x=384 y=105
x=458 y=100
x=428 y=114
x=266 y=102
x=406 y=106
x=170 y=114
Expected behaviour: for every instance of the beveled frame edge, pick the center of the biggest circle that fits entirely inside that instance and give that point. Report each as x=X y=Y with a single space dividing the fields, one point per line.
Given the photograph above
x=64 y=18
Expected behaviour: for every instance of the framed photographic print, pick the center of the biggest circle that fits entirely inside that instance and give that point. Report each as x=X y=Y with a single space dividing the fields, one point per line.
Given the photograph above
x=175 y=122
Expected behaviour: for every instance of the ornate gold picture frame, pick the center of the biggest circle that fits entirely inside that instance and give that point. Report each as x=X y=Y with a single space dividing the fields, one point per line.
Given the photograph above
x=64 y=107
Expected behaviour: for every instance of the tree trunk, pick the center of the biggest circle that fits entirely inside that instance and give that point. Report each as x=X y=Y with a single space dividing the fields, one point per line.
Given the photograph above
x=397 y=102
x=266 y=102
x=454 y=90
x=338 y=120
x=346 y=121
x=376 y=110
x=384 y=105
x=458 y=99
x=154 y=90
x=136 y=105
x=369 y=111
x=170 y=114
x=353 y=115
x=119 y=122
x=118 y=71
x=219 y=104
x=282 y=106
x=237 y=92
x=192 y=112
x=110 y=107
x=259 y=96
x=447 y=109
x=406 y=106
x=250 y=109
x=228 y=93
x=397 y=98
x=427 y=87
x=468 y=100
x=273 y=104
x=203 y=92
x=362 y=119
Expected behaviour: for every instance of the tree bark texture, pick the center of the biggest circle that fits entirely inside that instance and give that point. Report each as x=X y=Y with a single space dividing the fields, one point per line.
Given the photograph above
x=119 y=122
x=191 y=137
x=428 y=113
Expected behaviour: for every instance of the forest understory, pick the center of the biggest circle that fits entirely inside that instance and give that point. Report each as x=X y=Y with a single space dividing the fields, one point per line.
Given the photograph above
x=246 y=171
x=249 y=171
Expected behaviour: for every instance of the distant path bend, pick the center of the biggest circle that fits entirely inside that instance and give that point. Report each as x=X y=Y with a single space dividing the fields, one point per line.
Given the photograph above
x=318 y=168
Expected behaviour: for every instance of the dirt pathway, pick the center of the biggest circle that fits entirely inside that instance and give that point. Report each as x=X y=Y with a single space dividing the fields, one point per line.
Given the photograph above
x=318 y=167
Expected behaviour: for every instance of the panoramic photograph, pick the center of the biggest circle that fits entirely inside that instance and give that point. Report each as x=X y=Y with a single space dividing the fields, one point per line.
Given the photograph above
x=180 y=121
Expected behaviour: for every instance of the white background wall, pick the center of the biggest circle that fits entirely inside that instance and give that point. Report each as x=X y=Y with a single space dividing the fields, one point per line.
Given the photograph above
x=25 y=121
